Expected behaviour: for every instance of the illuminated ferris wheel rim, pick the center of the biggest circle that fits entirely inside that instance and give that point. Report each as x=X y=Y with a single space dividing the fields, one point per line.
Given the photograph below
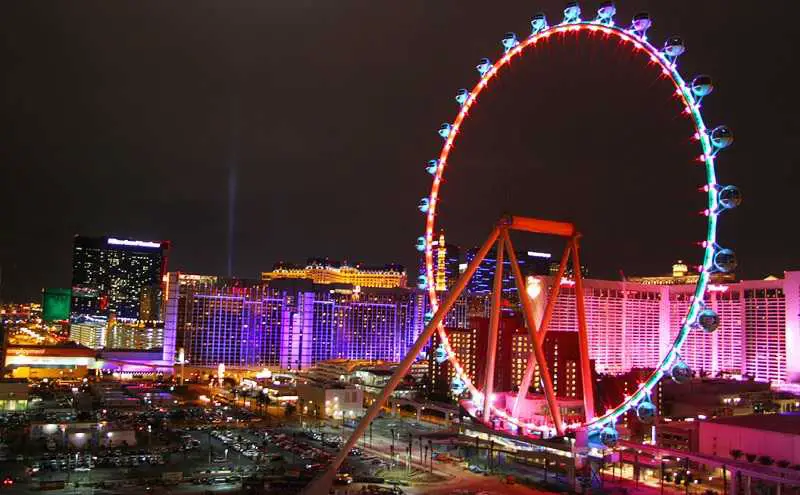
x=711 y=142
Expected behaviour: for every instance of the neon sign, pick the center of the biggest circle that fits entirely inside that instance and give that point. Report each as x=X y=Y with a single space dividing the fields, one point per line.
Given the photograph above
x=537 y=254
x=126 y=242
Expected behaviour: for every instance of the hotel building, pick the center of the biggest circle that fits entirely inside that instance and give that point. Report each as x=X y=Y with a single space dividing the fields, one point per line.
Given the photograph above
x=325 y=272
x=290 y=324
x=118 y=276
x=633 y=324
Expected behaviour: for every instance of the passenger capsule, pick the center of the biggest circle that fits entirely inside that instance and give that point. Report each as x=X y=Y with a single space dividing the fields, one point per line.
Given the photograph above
x=708 y=320
x=646 y=412
x=483 y=66
x=538 y=23
x=680 y=372
x=457 y=386
x=606 y=12
x=609 y=436
x=572 y=13
x=420 y=243
x=641 y=22
x=725 y=260
x=422 y=282
x=440 y=355
x=510 y=41
x=702 y=86
x=433 y=166
x=721 y=137
x=674 y=47
x=729 y=197
x=424 y=205
x=444 y=130
x=462 y=96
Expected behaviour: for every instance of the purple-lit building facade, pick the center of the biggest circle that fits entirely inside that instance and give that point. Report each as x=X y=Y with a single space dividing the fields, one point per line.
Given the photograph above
x=290 y=324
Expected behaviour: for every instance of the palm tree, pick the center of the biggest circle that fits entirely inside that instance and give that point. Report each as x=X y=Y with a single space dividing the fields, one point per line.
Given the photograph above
x=751 y=457
x=736 y=454
x=766 y=460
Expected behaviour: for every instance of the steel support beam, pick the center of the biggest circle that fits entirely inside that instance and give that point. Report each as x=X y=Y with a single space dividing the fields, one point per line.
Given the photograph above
x=548 y=315
x=583 y=334
x=538 y=226
x=544 y=371
x=494 y=324
x=551 y=300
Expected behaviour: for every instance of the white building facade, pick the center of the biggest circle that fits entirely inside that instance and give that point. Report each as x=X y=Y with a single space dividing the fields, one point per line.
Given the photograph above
x=632 y=325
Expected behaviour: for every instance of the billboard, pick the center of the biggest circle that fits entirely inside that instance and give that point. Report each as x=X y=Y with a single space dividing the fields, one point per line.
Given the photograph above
x=56 y=304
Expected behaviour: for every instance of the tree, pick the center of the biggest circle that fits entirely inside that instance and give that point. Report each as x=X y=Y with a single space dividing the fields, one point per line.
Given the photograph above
x=737 y=454
x=751 y=457
x=783 y=463
x=766 y=460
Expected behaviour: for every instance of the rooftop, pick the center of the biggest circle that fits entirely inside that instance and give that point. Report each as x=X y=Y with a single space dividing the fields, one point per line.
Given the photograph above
x=779 y=423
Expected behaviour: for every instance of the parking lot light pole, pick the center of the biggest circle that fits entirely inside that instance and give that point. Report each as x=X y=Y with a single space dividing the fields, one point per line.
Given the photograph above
x=430 y=449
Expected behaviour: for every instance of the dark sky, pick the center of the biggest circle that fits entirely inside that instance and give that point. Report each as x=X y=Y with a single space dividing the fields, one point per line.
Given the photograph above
x=128 y=118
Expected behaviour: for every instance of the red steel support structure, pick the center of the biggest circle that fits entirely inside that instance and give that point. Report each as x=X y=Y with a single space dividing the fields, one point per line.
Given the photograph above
x=548 y=315
x=583 y=333
x=321 y=485
x=527 y=310
x=494 y=323
x=500 y=236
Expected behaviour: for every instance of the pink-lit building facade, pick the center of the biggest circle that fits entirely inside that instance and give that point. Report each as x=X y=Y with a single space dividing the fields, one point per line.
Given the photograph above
x=633 y=324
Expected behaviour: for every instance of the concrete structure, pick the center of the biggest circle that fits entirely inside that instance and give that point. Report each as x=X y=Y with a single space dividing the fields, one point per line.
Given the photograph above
x=678 y=435
x=82 y=434
x=330 y=401
x=13 y=395
x=774 y=435
x=65 y=361
x=712 y=397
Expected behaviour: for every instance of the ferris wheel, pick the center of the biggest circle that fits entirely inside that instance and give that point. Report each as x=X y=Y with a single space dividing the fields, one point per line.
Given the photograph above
x=710 y=141
x=602 y=28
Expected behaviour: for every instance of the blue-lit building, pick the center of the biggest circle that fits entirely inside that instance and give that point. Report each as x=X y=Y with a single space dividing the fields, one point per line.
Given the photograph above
x=530 y=262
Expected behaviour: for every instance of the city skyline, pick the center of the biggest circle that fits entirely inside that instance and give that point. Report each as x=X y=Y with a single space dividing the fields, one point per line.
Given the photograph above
x=400 y=247
x=154 y=130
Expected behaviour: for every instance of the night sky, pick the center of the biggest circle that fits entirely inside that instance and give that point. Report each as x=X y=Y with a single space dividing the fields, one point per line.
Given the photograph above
x=136 y=119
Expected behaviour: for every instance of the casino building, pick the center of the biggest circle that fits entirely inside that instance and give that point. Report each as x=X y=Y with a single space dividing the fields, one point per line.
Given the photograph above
x=120 y=276
x=322 y=271
x=289 y=323
x=632 y=324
